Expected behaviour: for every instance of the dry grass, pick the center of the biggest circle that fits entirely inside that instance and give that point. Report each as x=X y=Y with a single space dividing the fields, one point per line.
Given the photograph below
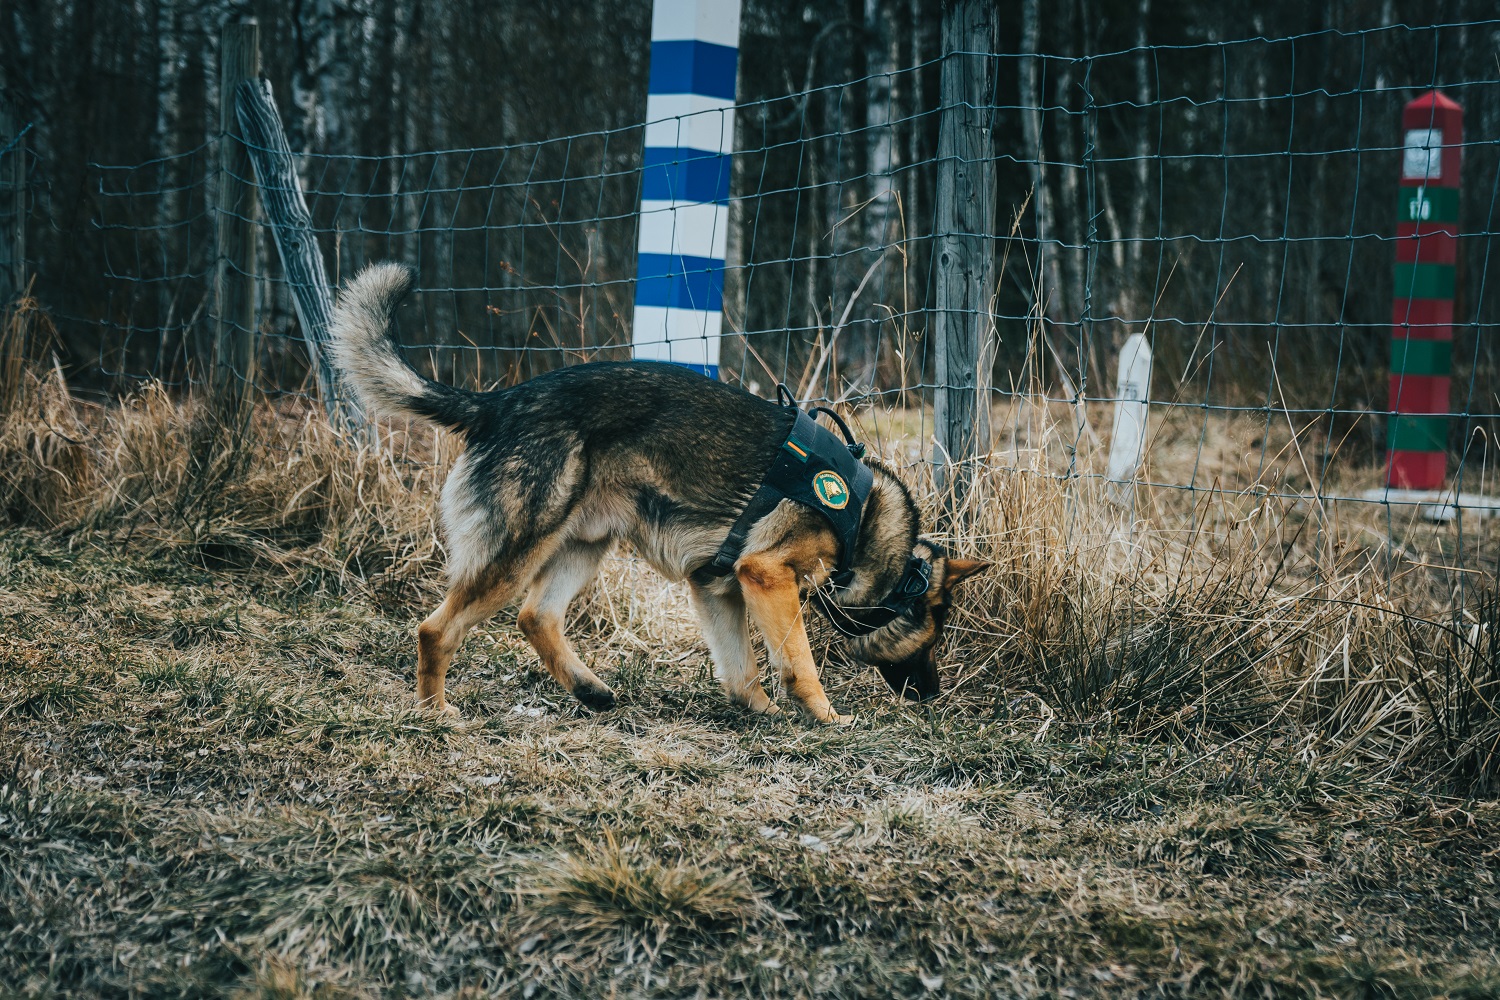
x=615 y=902
x=1209 y=744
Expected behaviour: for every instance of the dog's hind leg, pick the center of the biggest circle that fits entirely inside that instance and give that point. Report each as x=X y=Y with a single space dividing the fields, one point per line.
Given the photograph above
x=542 y=615
x=770 y=588
x=727 y=632
x=438 y=638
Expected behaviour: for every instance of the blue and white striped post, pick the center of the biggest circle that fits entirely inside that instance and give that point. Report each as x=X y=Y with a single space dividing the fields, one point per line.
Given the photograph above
x=679 y=289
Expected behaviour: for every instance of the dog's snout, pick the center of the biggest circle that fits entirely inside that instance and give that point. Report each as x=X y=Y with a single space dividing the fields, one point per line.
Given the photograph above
x=915 y=679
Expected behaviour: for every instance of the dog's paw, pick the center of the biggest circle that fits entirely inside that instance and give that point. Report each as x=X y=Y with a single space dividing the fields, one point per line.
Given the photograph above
x=754 y=699
x=595 y=697
x=447 y=710
x=835 y=719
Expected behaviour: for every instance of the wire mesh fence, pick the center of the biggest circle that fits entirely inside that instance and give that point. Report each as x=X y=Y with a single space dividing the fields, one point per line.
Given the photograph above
x=1235 y=201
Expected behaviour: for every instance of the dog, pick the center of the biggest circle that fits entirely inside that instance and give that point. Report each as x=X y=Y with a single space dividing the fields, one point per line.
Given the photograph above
x=559 y=468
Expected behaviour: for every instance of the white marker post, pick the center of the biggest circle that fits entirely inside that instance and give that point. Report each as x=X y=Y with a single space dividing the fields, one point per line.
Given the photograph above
x=1132 y=398
x=679 y=289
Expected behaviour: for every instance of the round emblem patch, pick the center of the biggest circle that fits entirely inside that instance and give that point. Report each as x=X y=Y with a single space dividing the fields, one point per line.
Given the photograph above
x=831 y=490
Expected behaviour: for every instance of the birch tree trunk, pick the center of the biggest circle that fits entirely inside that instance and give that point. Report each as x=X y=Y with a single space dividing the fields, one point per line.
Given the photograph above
x=335 y=49
x=1143 y=150
x=882 y=50
x=169 y=65
x=1068 y=211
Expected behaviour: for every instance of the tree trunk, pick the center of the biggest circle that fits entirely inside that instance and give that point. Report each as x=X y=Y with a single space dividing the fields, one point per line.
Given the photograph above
x=12 y=206
x=1070 y=215
x=169 y=63
x=881 y=54
x=1143 y=151
x=332 y=75
x=1031 y=130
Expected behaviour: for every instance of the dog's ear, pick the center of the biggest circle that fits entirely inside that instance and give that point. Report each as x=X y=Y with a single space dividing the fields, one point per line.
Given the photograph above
x=956 y=571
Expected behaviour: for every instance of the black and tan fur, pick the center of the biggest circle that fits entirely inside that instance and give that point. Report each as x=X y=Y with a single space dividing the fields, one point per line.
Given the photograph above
x=560 y=468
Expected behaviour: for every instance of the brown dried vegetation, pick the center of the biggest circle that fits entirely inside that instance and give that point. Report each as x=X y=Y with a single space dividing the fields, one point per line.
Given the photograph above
x=1214 y=744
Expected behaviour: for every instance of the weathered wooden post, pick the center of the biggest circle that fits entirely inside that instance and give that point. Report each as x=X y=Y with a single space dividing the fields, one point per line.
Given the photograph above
x=291 y=224
x=12 y=207
x=235 y=338
x=962 y=326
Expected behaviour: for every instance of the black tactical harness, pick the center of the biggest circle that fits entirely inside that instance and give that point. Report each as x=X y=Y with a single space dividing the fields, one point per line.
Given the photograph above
x=817 y=470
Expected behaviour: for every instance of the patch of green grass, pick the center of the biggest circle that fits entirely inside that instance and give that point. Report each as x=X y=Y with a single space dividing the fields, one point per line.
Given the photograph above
x=165 y=674
x=42 y=695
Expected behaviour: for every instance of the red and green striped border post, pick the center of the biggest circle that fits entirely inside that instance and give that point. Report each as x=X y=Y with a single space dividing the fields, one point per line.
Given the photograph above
x=1422 y=310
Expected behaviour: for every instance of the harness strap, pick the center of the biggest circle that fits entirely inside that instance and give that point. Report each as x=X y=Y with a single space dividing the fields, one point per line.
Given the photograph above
x=762 y=503
x=812 y=468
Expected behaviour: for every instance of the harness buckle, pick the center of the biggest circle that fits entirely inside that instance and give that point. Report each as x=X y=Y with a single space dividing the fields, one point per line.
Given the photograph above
x=917 y=579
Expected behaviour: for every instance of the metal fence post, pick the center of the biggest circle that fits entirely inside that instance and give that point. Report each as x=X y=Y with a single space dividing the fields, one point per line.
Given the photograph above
x=965 y=227
x=234 y=328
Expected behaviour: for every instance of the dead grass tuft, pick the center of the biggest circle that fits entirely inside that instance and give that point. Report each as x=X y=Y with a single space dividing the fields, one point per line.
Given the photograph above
x=613 y=898
x=1224 y=837
x=46 y=464
x=1210 y=616
x=294 y=496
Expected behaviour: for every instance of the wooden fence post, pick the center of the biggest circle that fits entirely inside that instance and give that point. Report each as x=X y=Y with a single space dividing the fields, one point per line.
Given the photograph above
x=962 y=327
x=235 y=338
x=291 y=224
x=12 y=207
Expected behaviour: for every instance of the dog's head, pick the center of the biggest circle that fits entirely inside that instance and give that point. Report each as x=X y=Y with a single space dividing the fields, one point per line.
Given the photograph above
x=905 y=651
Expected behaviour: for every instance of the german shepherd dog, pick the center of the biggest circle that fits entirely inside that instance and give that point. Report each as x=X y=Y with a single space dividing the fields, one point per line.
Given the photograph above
x=559 y=468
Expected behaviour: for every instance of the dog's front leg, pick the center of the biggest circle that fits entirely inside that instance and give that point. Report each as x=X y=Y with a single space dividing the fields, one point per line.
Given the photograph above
x=770 y=588
x=728 y=636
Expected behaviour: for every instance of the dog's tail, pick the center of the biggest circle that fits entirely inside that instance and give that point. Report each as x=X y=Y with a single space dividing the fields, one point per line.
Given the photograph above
x=366 y=351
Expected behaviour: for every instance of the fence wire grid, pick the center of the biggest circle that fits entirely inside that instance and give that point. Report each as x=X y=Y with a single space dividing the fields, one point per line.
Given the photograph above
x=1234 y=201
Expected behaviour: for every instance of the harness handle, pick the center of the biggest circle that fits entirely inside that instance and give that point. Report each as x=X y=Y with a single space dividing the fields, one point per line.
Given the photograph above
x=785 y=398
x=854 y=446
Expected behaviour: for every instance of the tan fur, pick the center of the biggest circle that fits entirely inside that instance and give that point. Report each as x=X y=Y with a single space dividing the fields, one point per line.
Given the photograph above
x=769 y=583
x=541 y=617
